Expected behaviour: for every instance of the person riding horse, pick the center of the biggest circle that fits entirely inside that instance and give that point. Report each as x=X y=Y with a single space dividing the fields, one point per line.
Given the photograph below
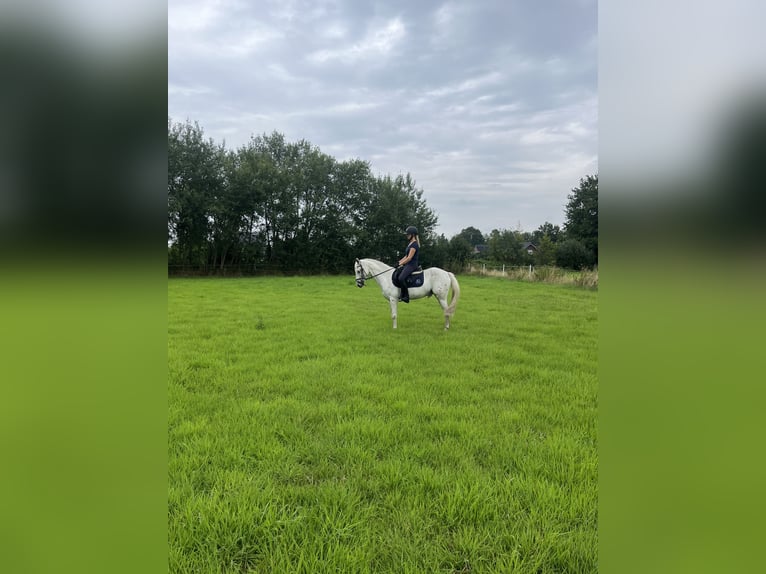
x=409 y=261
x=436 y=282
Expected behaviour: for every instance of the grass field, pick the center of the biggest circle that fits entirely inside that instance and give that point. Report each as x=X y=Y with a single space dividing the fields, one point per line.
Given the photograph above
x=305 y=435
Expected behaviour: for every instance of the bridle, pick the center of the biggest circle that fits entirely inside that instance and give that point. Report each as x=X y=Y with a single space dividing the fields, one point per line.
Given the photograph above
x=360 y=280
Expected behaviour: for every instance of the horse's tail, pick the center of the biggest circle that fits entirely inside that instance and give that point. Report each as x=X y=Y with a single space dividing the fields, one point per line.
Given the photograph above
x=455 y=295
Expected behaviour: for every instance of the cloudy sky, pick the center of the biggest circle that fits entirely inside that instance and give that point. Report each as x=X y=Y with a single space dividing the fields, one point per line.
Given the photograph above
x=491 y=105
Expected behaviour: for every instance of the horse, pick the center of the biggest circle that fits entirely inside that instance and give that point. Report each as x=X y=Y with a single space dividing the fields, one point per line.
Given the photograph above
x=436 y=282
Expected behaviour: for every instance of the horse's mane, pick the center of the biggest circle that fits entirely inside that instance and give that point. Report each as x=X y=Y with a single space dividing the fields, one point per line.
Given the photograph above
x=374 y=263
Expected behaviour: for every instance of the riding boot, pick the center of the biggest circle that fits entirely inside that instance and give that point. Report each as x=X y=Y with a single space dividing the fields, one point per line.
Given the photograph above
x=405 y=297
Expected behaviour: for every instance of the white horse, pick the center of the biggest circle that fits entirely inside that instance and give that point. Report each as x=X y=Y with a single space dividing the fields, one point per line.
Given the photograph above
x=436 y=282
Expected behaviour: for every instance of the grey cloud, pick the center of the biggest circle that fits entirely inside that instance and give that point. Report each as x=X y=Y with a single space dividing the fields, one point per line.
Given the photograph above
x=490 y=102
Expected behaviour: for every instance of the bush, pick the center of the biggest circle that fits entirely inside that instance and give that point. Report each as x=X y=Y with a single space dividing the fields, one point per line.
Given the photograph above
x=572 y=254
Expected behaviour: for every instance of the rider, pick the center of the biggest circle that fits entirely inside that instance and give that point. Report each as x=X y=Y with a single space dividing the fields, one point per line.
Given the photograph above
x=410 y=260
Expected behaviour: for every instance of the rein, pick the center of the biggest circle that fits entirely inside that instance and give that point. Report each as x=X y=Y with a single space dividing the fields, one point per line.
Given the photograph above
x=373 y=276
x=365 y=276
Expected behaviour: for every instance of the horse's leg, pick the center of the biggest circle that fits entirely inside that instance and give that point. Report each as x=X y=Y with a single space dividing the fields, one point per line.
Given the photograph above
x=443 y=302
x=393 y=300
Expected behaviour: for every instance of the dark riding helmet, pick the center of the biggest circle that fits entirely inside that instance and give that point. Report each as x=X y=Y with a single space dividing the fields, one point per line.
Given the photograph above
x=411 y=230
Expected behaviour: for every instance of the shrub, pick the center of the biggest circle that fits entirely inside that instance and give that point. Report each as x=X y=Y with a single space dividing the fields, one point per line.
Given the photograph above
x=572 y=254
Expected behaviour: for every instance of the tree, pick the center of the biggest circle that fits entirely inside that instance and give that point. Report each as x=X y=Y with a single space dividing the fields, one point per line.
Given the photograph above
x=546 y=251
x=393 y=204
x=258 y=181
x=226 y=216
x=319 y=229
x=473 y=236
x=554 y=233
x=582 y=216
x=344 y=214
x=436 y=253
x=459 y=251
x=253 y=177
x=572 y=254
x=195 y=179
x=504 y=247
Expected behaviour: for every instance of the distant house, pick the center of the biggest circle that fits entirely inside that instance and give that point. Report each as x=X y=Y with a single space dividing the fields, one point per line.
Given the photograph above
x=480 y=250
x=529 y=247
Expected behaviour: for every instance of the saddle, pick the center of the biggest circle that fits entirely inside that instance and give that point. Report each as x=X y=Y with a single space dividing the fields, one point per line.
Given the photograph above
x=415 y=279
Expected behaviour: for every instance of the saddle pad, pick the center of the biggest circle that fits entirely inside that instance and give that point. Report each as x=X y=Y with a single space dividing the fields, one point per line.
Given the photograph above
x=416 y=279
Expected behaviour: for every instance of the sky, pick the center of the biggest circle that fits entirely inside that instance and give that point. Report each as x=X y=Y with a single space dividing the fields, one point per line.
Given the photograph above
x=491 y=106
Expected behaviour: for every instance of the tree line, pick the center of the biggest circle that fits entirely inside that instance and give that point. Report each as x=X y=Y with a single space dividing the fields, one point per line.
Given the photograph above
x=573 y=247
x=288 y=207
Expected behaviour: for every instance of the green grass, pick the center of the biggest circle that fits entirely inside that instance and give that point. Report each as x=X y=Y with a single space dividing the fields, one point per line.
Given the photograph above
x=308 y=436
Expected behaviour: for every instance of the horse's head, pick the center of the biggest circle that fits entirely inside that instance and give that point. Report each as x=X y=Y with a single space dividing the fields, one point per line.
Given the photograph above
x=359 y=273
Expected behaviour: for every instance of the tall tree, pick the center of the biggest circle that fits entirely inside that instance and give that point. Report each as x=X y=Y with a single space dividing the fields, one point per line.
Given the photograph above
x=546 y=251
x=355 y=188
x=582 y=216
x=473 y=236
x=226 y=217
x=459 y=251
x=437 y=252
x=195 y=179
x=393 y=205
x=553 y=232
x=256 y=179
x=504 y=247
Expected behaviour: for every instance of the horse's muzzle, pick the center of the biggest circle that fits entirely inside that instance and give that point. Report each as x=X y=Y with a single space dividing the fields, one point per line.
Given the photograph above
x=360 y=283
